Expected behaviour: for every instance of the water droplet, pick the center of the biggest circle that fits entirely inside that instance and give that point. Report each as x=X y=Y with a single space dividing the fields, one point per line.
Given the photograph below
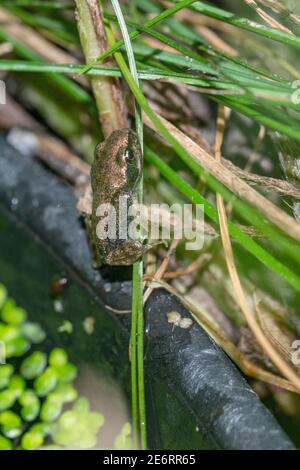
x=14 y=203
x=107 y=287
x=89 y=325
x=58 y=306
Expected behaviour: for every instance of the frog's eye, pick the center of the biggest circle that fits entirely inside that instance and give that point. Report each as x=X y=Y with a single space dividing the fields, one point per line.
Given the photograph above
x=129 y=155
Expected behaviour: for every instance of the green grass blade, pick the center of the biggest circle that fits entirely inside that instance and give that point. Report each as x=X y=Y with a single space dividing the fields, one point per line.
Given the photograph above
x=137 y=330
x=245 y=24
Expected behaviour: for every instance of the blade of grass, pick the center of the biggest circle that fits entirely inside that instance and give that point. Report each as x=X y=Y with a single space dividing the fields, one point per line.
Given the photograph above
x=137 y=330
x=178 y=27
x=262 y=93
x=244 y=23
x=66 y=85
x=265 y=116
x=38 y=4
x=238 y=64
x=39 y=21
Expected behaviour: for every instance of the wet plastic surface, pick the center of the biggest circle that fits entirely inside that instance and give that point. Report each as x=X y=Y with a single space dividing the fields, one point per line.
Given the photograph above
x=196 y=396
x=225 y=409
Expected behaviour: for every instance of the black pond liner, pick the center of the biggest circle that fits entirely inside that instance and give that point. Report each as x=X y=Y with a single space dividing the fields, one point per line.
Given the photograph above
x=196 y=397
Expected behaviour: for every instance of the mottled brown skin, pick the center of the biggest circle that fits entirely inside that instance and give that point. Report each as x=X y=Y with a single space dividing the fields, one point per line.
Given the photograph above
x=116 y=171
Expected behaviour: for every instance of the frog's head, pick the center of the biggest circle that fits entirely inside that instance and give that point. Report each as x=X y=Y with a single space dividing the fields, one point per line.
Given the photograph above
x=120 y=157
x=129 y=156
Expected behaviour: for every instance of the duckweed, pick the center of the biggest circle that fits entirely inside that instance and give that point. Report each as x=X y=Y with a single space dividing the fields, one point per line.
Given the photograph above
x=35 y=389
x=78 y=427
x=30 y=405
x=51 y=408
x=17 y=347
x=66 y=373
x=6 y=370
x=33 y=365
x=7 y=399
x=58 y=357
x=11 y=424
x=124 y=440
x=46 y=382
x=67 y=392
x=33 y=332
x=12 y=314
x=32 y=440
x=17 y=385
x=5 y=444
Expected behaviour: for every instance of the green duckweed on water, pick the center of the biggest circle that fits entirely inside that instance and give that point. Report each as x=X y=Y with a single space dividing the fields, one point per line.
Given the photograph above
x=39 y=405
x=6 y=372
x=33 y=365
x=124 y=440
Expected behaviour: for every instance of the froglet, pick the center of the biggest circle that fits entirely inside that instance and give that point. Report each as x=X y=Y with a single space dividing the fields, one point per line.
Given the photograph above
x=115 y=172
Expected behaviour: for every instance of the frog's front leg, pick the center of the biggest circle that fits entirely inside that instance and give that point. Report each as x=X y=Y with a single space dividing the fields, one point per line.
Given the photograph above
x=129 y=253
x=126 y=254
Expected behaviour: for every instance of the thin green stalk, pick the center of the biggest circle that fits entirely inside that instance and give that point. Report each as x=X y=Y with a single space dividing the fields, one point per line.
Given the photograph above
x=38 y=4
x=262 y=92
x=137 y=330
x=138 y=307
x=145 y=72
x=134 y=362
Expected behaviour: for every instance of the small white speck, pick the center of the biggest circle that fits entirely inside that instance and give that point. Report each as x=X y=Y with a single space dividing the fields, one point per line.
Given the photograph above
x=174 y=317
x=185 y=323
x=107 y=287
x=89 y=325
x=58 y=306
x=14 y=202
